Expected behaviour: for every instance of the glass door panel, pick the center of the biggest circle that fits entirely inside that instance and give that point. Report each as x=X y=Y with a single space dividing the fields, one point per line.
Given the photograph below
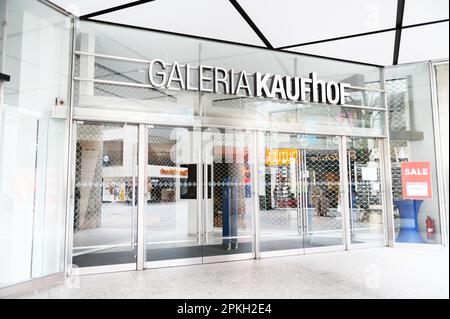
x=320 y=181
x=227 y=193
x=171 y=201
x=280 y=221
x=105 y=195
x=365 y=189
x=299 y=193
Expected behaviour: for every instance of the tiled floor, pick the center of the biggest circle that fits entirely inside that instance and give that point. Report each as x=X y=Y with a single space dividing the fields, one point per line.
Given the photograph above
x=369 y=273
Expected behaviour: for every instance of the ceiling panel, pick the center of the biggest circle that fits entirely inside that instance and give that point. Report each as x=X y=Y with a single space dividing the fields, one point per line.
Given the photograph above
x=424 y=43
x=419 y=11
x=287 y=22
x=82 y=7
x=213 y=19
x=375 y=48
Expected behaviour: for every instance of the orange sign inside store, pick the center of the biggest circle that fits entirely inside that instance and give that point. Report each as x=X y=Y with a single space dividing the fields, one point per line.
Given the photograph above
x=281 y=156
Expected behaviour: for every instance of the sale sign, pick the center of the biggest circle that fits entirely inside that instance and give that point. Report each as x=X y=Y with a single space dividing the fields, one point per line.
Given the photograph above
x=416 y=180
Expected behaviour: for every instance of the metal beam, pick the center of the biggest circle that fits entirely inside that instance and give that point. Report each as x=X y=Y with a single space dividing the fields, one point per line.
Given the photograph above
x=4 y=77
x=250 y=22
x=116 y=8
x=398 y=32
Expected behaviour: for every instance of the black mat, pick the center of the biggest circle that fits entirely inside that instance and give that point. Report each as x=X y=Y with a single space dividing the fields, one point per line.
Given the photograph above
x=124 y=257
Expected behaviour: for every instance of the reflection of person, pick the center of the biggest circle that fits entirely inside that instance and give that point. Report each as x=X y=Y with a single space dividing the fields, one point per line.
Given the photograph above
x=116 y=192
x=319 y=201
x=77 y=197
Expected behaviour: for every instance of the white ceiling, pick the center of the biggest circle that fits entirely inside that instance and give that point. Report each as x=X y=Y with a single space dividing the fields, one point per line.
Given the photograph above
x=419 y=11
x=292 y=22
x=287 y=22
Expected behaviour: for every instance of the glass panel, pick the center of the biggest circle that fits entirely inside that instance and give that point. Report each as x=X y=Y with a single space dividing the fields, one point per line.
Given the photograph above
x=105 y=203
x=36 y=54
x=320 y=188
x=284 y=116
x=172 y=225
x=411 y=132
x=366 y=196
x=443 y=116
x=228 y=157
x=280 y=219
x=299 y=193
x=183 y=107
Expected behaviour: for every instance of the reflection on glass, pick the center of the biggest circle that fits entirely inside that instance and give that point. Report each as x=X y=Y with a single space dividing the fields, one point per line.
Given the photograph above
x=366 y=197
x=105 y=195
x=411 y=133
x=172 y=225
x=228 y=202
x=299 y=192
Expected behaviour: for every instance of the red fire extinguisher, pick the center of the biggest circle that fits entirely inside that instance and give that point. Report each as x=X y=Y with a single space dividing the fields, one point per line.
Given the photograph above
x=429 y=223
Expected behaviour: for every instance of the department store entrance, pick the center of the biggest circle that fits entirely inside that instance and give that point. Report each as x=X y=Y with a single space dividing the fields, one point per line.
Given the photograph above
x=152 y=196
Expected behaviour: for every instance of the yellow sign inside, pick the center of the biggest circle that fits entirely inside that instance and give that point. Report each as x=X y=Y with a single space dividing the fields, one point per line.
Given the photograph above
x=282 y=156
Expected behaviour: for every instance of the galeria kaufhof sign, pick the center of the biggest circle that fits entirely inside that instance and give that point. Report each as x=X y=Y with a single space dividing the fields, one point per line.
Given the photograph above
x=211 y=79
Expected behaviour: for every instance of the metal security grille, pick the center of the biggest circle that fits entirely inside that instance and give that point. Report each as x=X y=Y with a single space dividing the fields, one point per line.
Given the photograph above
x=366 y=197
x=399 y=121
x=303 y=189
x=103 y=206
x=322 y=184
x=161 y=141
x=399 y=124
x=230 y=168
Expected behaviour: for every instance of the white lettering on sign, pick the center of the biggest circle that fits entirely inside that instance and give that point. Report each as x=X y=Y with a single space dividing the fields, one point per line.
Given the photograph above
x=219 y=80
x=416 y=172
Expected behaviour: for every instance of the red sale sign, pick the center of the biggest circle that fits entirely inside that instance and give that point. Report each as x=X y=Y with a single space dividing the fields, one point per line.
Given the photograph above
x=416 y=180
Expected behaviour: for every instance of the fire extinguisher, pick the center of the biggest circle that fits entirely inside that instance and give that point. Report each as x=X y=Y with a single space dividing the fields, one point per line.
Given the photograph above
x=429 y=223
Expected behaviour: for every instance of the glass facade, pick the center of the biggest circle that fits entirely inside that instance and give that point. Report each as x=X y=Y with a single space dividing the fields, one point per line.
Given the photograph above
x=413 y=154
x=134 y=49
x=441 y=81
x=164 y=177
x=33 y=132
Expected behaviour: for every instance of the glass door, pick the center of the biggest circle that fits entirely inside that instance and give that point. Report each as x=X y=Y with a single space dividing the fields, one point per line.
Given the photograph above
x=365 y=191
x=300 y=196
x=172 y=223
x=227 y=207
x=105 y=196
x=280 y=215
x=321 y=199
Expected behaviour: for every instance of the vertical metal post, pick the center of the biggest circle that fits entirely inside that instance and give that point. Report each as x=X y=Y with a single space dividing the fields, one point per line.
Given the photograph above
x=205 y=190
x=197 y=154
x=302 y=222
x=142 y=181
x=304 y=191
x=384 y=200
x=255 y=193
x=133 y=197
x=443 y=209
x=386 y=157
x=70 y=160
x=4 y=28
x=345 y=203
